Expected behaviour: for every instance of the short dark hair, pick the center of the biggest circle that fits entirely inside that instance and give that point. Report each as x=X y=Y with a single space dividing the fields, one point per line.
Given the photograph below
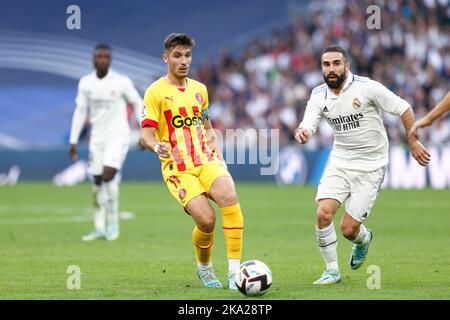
x=335 y=49
x=175 y=39
x=102 y=46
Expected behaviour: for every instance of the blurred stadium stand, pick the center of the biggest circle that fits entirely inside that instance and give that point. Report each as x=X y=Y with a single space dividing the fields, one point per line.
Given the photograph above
x=41 y=60
x=48 y=108
x=268 y=84
x=259 y=59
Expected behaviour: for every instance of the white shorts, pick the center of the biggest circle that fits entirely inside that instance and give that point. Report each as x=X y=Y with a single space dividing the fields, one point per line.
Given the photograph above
x=358 y=188
x=110 y=153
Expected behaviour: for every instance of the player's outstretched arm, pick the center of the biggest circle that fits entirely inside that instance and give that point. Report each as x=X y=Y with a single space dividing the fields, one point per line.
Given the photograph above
x=301 y=135
x=149 y=141
x=418 y=151
x=431 y=116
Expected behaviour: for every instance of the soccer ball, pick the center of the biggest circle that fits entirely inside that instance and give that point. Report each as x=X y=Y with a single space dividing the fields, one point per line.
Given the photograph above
x=254 y=278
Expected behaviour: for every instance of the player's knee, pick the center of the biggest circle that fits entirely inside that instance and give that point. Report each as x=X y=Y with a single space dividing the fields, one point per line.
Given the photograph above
x=324 y=217
x=349 y=231
x=207 y=223
x=230 y=198
x=227 y=198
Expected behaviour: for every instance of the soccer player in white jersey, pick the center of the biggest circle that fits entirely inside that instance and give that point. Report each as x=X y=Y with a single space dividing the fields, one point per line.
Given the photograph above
x=353 y=107
x=104 y=94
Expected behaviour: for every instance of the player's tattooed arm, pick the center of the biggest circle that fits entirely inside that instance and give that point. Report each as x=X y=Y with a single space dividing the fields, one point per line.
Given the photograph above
x=418 y=151
x=212 y=139
x=149 y=141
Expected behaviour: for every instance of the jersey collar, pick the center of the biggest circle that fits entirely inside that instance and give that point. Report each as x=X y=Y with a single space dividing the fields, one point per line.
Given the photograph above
x=175 y=87
x=348 y=81
x=108 y=75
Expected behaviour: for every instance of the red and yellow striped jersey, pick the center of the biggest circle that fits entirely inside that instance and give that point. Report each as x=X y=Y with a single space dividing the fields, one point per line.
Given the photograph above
x=177 y=115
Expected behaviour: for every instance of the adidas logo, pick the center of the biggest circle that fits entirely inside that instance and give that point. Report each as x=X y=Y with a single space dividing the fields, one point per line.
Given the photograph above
x=364 y=215
x=325 y=109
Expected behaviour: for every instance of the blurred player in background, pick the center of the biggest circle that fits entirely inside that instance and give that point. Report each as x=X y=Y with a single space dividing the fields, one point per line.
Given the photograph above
x=177 y=127
x=441 y=108
x=353 y=107
x=104 y=94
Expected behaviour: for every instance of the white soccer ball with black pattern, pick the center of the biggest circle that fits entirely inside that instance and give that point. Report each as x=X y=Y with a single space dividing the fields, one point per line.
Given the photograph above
x=254 y=278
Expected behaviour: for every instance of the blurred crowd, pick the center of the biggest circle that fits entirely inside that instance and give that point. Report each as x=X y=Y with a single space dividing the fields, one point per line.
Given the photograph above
x=267 y=84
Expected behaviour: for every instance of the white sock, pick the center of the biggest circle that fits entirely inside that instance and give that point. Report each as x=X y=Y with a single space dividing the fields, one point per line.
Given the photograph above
x=327 y=242
x=99 y=207
x=112 y=193
x=233 y=265
x=363 y=236
x=204 y=266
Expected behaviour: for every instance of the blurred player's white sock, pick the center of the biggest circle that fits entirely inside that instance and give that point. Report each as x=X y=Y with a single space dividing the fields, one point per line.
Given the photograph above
x=327 y=242
x=112 y=193
x=363 y=236
x=233 y=265
x=99 y=207
x=204 y=266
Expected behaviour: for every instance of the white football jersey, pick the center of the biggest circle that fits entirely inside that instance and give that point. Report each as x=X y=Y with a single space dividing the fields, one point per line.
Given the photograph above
x=105 y=100
x=360 y=139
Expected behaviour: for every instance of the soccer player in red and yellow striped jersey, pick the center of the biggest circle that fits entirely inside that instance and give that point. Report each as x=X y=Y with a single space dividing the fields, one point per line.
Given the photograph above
x=176 y=125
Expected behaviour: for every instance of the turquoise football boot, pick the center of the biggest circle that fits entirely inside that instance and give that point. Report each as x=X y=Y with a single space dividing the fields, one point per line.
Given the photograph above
x=359 y=253
x=208 y=278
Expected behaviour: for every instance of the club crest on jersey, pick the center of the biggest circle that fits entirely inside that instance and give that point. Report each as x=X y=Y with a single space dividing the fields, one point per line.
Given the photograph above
x=182 y=193
x=356 y=103
x=199 y=97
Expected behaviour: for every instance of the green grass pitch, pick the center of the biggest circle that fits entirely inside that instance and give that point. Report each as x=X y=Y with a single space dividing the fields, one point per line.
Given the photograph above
x=41 y=226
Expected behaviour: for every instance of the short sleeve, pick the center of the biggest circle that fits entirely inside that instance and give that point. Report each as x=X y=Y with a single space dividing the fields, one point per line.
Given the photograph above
x=151 y=109
x=205 y=98
x=387 y=100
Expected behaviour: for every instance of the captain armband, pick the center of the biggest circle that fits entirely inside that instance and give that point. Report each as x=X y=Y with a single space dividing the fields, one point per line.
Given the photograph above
x=205 y=114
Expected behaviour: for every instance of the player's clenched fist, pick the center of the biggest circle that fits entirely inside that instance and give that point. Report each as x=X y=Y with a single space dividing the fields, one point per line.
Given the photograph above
x=162 y=149
x=301 y=135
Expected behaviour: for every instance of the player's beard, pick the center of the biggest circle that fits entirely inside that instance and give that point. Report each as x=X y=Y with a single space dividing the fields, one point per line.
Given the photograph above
x=337 y=83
